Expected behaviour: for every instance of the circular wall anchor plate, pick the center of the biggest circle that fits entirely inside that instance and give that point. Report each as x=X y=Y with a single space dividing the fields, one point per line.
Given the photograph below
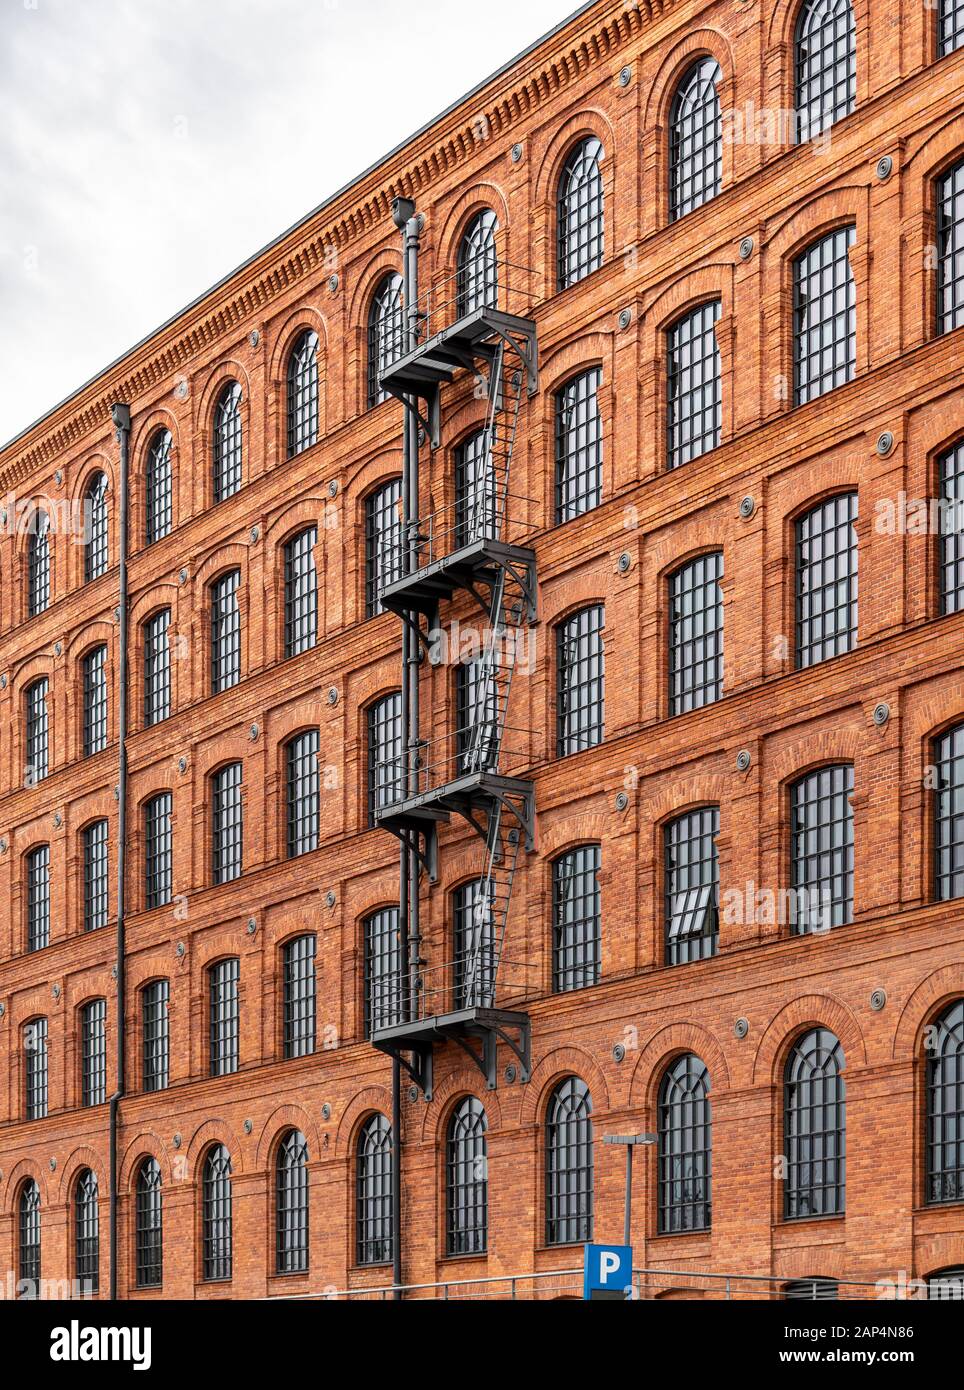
x=624 y=563
x=625 y=77
x=881 y=713
x=747 y=506
x=625 y=317
x=885 y=442
x=885 y=167
x=619 y=1052
x=516 y=153
x=741 y=1027
x=746 y=248
x=878 y=999
x=743 y=760
x=509 y=1074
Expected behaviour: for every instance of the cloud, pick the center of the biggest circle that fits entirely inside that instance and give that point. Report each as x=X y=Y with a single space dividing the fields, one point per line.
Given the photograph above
x=149 y=146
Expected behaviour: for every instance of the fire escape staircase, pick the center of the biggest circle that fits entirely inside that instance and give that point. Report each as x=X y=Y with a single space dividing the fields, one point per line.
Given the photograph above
x=457 y=1001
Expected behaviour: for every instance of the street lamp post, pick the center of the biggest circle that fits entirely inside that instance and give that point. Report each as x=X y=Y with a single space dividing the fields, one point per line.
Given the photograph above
x=629 y=1141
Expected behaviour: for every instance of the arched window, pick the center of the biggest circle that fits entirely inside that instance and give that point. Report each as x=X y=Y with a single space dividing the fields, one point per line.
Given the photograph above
x=224 y=1015
x=694 y=411
x=569 y=1164
x=159 y=501
x=93 y=1052
x=95 y=875
x=696 y=633
x=477 y=280
x=814 y=1127
x=695 y=139
x=386 y=332
x=225 y=632
x=383 y=980
x=946 y=1284
x=685 y=1146
x=576 y=919
x=822 y=849
x=579 y=446
x=37 y=738
x=216 y=1214
x=303 y=393
x=950 y=27
x=826 y=580
x=384 y=753
x=826 y=65
x=691 y=886
x=155 y=1035
x=580 y=681
x=301 y=592
x=227 y=443
x=948 y=754
x=374 y=1192
x=473 y=946
x=383 y=542
x=94 y=675
x=35 y=1070
x=466 y=1180
x=811 y=1290
x=87 y=1232
x=579 y=212
x=479 y=502
x=227 y=824
x=149 y=1230
x=301 y=793
x=950 y=249
x=37 y=866
x=38 y=564
x=291 y=1204
x=950 y=468
x=28 y=1245
x=944 y=1134
x=95 y=528
x=299 y=992
x=824 y=317
x=158 y=851
x=157 y=667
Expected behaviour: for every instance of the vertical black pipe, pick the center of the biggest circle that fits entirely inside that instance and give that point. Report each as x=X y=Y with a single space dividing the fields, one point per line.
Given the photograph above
x=121 y=416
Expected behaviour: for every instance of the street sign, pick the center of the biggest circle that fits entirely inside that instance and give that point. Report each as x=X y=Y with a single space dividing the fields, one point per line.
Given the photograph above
x=608 y=1272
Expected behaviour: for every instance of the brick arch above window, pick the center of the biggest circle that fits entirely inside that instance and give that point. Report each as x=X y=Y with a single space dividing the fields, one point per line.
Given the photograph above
x=660 y=1051
x=273 y=1132
x=207 y=1136
x=797 y=1018
x=77 y=1162
x=459 y=218
x=929 y=999
x=372 y=1100
x=436 y=1117
x=560 y=1063
x=25 y=1170
x=147 y=1144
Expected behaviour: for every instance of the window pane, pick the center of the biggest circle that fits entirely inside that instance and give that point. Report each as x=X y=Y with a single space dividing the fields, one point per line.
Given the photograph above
x=826 y=65
x=93 y=1042
x=825 y=317
x=95 y=528
x=38 y=733
x=827 y=581
x=569 y=1164
x=155 y=1033
x=150 y=1239
x=385 y=767
x=477 y=509
x=944 y=1047
x=814 y=1127
x=227 y=442
x=291 y=1205
x=157 y=668
x=29 y=1242
x=474 y=943
x=95 y=701
x=691 y=886
x=225 y=632
x=949 y=815
x=159 y=504
x=950 y=24
x=383 y=983
x=696 y=139
x=386 y=333
x=302 y=780
x=303 y=394
x=38 y=898
x=466 y=1180
x=95 y=876
x=578 y=446
x=158 y=856
x=478 y=267
x=581 y=681
x=38 y=564
x=301 y=593
x=576 y=919
x=580 y=213
x=87 y=1233
x=383 y=543
x=696 y=634
x=35 y=1068
x=951 y=468
x=693 y=405
x=685 y=1146
x=822 y=849
x=298 y=969
x=223 y=1003
x=216 y=1214
x=374 y=1192
x=950 y=245
x=227 y=824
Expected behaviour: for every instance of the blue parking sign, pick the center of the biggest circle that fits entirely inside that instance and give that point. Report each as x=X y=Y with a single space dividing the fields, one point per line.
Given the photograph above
x=608 y=1271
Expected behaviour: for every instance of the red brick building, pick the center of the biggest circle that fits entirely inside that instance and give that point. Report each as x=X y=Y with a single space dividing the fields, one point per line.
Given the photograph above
x=734 y=233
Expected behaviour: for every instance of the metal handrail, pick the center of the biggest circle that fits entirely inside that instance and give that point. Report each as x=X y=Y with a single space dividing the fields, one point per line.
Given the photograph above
x=442 y=301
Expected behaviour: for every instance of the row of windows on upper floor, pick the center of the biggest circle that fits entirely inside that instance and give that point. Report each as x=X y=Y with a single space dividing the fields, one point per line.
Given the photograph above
x=812 y=1121
x=820 y=894
x=824 y=356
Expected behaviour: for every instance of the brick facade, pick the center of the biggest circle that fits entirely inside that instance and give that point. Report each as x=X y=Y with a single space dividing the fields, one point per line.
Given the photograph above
x=910 y=106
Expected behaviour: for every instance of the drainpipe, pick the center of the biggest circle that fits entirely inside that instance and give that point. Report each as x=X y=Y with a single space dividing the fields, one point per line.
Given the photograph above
x=121 y=416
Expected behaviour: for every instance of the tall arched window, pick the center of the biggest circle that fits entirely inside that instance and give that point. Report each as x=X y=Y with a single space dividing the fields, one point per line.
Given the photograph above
x=301 y=793
x=291 y=1204
x=38 y=564
x=694 y=410
x=576 y=919
x=822 y=849
x=695 y=139
x=466 y=1180
x=473 y=946
x=691 y=886
x=301 y=592
x=37 y=733
x=227 y=442
x=944 y=1135
x=579 y=446
x=216 y=1214
x=948 y=756
x=950 y=27
x=477 y=280
x=950 y=249
x=826 y=65
x=28 y=1244
x=386 y=332
x=374 y=1192
x=580 y=681
x=580 y=213
x=826 y=580
x=569 y=1164
x=814 y=1127
x=824 y=316
x=685 y=1146
x=385 y=768
x=159 y=486
x=383 y=542
x=87 y=1232
x=695 y=632
x=950 y=467
x=384 y=982
x=303 y=393
x=149 y=1231
x=95 y=528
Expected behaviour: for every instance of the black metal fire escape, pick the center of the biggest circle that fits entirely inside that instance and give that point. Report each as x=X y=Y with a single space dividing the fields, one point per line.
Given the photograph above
x=472 y=772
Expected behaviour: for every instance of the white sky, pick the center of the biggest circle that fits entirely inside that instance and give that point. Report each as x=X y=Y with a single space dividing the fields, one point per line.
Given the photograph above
x=149 y=146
